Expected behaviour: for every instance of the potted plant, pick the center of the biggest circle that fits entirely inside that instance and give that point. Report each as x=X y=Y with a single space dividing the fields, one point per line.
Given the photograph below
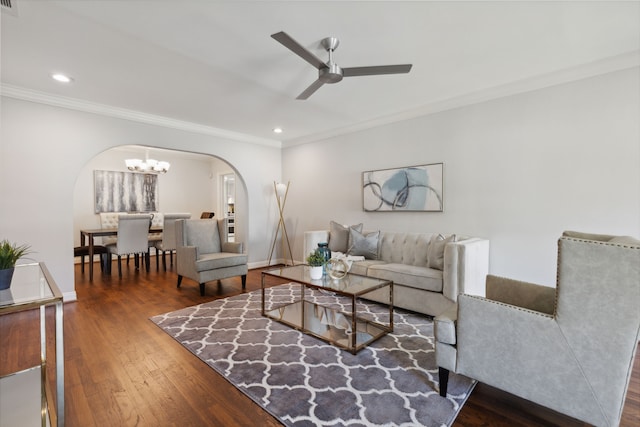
x=10 y=253
x=316 y=260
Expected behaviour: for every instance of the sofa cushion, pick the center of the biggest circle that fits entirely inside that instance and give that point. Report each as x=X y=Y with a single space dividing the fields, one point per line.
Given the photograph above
x=215 y=260
x=339 y=236
x=361 y=267
x=435 y=251
x=363 y=245
x=424 y=278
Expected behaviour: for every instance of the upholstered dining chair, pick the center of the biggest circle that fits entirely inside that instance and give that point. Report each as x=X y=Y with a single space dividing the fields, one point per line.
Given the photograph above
x=203 y=256
x=570 y=348
x=133 y=238
x=157 y=220
x=168 y=241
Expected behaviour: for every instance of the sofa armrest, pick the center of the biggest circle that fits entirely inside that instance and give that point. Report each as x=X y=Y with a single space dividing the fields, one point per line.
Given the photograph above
x=521 y=294
x=311 y=240
x=232 y=247
x=466 y=265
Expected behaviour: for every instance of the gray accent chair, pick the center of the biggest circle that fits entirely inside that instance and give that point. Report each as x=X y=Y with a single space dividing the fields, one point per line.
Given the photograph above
x=133 y=238
x=569 y=348
x=168 y=241
x=202 y=256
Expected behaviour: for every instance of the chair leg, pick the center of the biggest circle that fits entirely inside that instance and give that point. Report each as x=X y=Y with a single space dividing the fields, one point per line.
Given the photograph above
x=244 y=282
x=443 y=378
x=179 y=280
x=164 y=260
x=201 y=289
x=147 y=260
x=120 y=266
x=82 y=263
x=171 y=257
x=157 y=260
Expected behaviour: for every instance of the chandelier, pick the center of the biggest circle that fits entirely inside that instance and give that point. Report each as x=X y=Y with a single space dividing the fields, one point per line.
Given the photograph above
x=147 y=165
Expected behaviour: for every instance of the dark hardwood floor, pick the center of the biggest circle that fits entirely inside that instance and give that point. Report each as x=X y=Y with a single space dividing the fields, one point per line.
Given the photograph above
x=122 y=370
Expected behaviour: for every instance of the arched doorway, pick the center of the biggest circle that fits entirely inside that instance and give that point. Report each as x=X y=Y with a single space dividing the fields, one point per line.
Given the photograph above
x=194 y=184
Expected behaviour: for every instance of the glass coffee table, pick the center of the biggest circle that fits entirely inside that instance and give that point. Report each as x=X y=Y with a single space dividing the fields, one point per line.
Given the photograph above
x=327 y=308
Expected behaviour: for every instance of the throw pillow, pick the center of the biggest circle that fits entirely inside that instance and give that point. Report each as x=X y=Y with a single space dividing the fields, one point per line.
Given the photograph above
x=435 y=251
x=339 y=236
x=361 y=245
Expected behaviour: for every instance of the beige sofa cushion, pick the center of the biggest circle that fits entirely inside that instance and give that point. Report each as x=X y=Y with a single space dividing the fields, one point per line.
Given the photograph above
x=423 y=278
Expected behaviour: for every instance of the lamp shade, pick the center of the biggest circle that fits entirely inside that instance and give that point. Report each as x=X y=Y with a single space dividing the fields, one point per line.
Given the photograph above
x=281 y=189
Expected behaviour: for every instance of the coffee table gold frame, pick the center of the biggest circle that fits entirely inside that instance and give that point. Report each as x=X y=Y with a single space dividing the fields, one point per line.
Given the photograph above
x=330 y=324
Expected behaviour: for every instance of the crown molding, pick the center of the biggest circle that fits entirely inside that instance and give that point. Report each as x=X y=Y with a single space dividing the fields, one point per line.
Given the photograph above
x=604 y=66
x=607 y=65
x=25 y=94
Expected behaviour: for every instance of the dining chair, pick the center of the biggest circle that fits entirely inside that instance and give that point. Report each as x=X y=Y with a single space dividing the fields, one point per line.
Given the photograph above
x=157 y=220
x=133 y=238
x=168 y=241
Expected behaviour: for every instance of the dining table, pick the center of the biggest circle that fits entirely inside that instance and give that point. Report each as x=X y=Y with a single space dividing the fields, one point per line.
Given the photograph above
x=91 y=233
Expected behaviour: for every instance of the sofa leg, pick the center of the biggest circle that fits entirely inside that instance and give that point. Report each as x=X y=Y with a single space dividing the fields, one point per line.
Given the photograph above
x=179 y=281
x=244 y=281
x=201 y=289
x=443 y=377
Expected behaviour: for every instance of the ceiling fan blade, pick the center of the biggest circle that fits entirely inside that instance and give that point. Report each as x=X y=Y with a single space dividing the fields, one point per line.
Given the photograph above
x=311 y=89
x=287 y=41
x=375 y=70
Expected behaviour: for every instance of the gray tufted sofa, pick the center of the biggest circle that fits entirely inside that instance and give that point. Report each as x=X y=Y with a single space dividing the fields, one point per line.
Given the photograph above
x=403 y=258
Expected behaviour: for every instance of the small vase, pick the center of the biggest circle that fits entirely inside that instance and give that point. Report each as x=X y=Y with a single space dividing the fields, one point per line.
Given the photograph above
x=324 y=250
x=315 y=272
x=5 y=278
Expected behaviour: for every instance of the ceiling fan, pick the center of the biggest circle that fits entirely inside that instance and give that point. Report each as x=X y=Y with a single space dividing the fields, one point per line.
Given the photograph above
x=330 y=72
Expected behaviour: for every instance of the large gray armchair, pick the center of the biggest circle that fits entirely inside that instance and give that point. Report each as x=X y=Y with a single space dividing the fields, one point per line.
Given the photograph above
x=202 y=256
x=569 y=348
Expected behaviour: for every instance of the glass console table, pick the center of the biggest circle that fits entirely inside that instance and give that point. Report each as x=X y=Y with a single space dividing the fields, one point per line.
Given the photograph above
x=343 y=326
x=25 y=397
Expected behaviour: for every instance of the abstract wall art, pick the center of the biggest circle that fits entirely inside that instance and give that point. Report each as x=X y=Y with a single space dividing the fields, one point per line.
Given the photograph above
x=125 y=191
x=406 y=189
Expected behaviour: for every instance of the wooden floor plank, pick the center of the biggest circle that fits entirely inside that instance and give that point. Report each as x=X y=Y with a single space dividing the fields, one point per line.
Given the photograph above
x=122 y=370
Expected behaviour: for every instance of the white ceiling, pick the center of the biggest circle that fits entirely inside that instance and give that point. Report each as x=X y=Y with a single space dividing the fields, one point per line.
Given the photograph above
x=214 y=64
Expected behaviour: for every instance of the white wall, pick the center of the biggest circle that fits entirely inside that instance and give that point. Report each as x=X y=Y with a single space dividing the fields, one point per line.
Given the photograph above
x=44 y=150
x=518 y=170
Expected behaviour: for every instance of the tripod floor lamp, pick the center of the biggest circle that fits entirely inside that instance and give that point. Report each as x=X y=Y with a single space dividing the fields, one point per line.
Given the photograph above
x=281 y=191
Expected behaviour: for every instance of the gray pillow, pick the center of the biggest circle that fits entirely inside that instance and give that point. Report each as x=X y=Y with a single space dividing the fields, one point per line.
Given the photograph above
x=339 y=236
x=435 y=251
x=361 y=245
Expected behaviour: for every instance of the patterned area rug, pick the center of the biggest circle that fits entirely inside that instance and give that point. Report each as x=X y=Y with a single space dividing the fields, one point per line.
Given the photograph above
x=304 y=381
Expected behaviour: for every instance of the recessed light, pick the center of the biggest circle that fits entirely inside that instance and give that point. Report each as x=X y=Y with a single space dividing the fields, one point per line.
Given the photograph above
x=277 y=130
x=62 y=78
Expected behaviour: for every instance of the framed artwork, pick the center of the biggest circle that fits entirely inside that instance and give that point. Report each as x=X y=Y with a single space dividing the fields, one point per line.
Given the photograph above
x=406 y=189
x=125 y=191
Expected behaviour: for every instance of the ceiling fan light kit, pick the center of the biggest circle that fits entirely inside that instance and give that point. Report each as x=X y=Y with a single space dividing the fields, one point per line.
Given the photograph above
x=330 y=72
